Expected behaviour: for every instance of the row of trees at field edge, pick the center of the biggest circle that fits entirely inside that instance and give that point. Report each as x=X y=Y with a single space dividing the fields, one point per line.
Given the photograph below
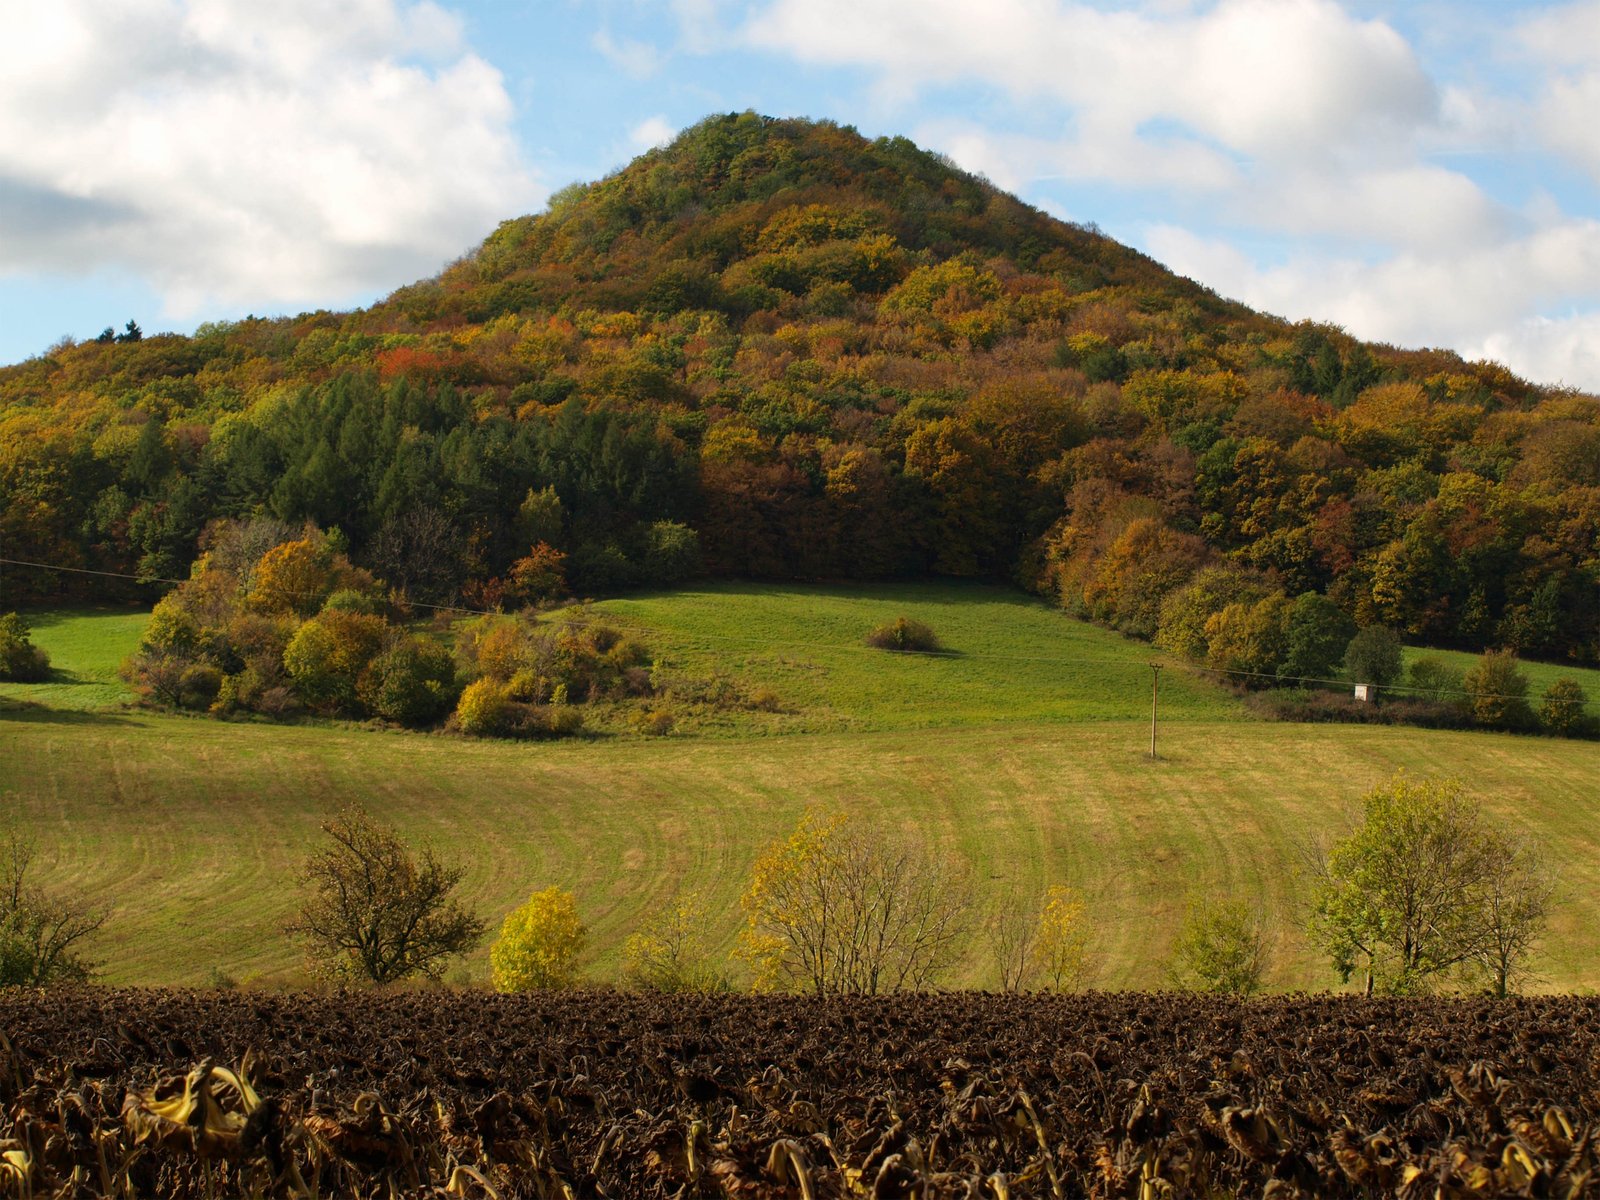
x=1423 y=892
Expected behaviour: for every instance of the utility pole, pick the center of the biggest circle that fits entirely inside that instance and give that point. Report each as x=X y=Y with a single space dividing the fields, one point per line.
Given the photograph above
x=1155 y=696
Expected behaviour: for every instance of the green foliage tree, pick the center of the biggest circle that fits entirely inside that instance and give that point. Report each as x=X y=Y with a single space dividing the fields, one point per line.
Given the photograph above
x=1435 y=679
x=539 y=944
x=20 y=660
x=1316 y=636
x=41 y=934
x=412 y=682
x=1409 y=895
x=1497 y=692
x=1373 y=656
x=1220 y=948
x=377 y=911
x=1564 y=709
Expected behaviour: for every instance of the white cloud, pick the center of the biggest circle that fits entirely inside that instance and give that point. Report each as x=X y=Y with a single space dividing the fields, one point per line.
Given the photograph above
x=637 y=60
x=1565 y=42
x=1289 y=80
x=235 y=154
x=1476 y=300
x=1556 y=350
x=650 y=133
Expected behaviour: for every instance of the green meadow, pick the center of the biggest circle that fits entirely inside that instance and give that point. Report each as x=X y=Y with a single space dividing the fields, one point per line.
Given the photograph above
x=1022 y=752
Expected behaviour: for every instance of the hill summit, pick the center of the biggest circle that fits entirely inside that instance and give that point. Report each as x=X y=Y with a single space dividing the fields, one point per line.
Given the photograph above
x=775 y=348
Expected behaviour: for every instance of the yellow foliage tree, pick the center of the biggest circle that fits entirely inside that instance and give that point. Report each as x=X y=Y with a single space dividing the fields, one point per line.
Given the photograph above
x=837 y=907
x=1061 y=948
x=669 y=954
x=293 y=577
x=539 y=944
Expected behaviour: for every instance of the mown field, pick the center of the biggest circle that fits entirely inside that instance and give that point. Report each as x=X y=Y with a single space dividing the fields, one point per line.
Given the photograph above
x=1029 y=766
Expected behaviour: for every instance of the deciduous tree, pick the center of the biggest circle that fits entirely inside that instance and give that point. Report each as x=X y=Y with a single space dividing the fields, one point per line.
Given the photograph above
x=377 y=910
x=838 y=907
x=539 y=943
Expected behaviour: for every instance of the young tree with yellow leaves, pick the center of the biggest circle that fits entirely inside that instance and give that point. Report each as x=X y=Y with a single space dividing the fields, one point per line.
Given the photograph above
x=838 y=907
x=539 y=944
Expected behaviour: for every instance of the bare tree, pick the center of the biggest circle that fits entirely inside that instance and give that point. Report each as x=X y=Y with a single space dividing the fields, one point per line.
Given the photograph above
x=376 y=909
x=1013 y=934
x=838 y=907
x=40 y=933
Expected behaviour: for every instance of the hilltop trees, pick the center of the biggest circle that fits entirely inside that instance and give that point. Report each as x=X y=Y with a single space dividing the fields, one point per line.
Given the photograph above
x=779 y=349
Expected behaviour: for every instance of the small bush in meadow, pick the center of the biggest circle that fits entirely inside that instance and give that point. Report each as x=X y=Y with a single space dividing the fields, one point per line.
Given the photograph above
x=904 y=635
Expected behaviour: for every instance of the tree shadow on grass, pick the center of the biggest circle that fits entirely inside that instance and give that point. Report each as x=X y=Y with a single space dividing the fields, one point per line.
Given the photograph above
x=27 y=712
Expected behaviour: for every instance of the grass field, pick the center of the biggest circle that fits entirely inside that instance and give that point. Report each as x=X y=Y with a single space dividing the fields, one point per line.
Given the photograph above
x=86 y=646
x=1540 y=674
x=1022 y=753
x=1007 y=657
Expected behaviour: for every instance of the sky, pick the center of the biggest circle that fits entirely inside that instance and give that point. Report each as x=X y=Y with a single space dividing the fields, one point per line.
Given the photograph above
x=1423 y=173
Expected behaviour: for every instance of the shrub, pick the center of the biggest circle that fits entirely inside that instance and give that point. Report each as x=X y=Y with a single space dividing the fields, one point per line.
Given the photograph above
x=20 y=660
x=1563 y=709
x=1497 y=692
x=902 y=635
x=199 y=685
x=412 y=682
x=669 y=954
x=539 y=944
x=1221 y=948
x=1435 y=679
x=484 y=709
x=655 y=722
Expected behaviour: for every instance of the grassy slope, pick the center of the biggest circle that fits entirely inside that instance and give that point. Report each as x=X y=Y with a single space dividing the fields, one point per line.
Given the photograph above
x=191 y=829
x=1023 y=753
x=1008 y=658
x=1540 y=674
x=86 y=646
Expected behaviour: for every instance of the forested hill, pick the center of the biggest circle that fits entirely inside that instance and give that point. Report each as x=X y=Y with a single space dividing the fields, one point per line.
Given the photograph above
x=821 y=356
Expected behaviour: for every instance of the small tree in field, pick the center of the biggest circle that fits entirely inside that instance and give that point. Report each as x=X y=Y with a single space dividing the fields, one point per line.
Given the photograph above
x=539 y=944
x=20 y=660
x=1517 y=888
x=1497 y=691
x=1373 y=656
x=1564 y=709
x=376 y=910
x=1061 y=946
x=1221 y=948
x=669 y=954
x=838 y=907
x=1013 y=935
x=1423 y=888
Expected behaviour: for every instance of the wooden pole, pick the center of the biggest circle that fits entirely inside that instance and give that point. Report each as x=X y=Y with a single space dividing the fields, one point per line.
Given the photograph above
x=1155 y=696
